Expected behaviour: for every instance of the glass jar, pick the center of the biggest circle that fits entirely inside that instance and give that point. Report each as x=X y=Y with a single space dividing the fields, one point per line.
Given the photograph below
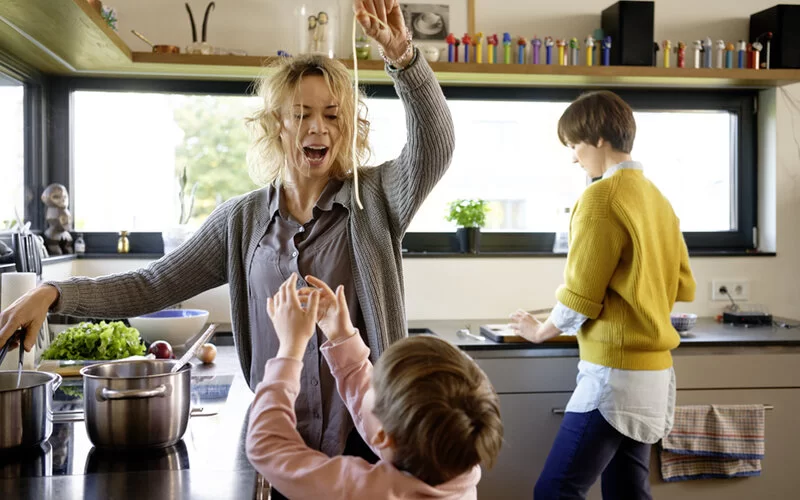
x=318 y=27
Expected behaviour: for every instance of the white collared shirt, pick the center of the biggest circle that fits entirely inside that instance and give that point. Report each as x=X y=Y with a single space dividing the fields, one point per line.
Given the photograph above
x=639 y=404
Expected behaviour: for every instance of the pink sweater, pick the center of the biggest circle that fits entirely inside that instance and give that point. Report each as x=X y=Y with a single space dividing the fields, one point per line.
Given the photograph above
x=277 y=451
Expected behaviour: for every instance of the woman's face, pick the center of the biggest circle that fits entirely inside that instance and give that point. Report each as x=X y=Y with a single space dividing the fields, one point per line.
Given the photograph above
x=312 y=121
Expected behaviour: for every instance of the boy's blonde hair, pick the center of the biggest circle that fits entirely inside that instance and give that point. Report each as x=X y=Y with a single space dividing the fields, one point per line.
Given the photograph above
x=267 y=161
x=438 y=406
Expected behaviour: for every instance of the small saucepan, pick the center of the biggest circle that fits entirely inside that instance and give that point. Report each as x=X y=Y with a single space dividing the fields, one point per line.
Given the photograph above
x=158 y=49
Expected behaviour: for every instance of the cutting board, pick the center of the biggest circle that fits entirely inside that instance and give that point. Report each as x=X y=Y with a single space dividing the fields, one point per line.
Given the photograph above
x=65 y=368
x=503 y=334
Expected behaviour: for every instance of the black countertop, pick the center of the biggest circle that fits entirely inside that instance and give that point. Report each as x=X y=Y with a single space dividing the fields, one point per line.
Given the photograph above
x=209 y=462
x=706 y=333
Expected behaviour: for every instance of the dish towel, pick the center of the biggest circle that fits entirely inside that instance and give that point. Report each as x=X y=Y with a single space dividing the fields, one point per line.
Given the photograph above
x=714 y=441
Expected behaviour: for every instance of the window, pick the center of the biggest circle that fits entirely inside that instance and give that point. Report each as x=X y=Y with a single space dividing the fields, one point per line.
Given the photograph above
x=12 y=153
x=696 y=148
x=126 y=168
x=131 y=138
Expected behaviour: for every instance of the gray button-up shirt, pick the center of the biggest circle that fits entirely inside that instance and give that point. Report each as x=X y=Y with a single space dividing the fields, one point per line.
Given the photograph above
x=320 y=248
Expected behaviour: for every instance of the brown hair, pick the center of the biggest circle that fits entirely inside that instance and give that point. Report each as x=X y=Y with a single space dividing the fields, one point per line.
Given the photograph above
x=598 y=115
x=439 y=408
x=266 y=158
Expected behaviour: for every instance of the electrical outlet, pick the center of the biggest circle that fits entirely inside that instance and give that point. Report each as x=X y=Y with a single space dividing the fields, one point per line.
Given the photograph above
x=738 y=289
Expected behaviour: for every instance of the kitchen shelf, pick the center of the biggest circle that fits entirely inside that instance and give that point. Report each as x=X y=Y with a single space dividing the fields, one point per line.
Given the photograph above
x=69 y=37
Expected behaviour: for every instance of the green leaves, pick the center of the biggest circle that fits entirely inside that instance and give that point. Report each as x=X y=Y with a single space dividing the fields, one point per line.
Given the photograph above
x=96 y=341
x=468 y=213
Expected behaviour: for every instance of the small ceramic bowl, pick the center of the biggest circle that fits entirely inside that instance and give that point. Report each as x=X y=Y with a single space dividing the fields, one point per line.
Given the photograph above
x=683 y=322
x=431 y=53
x=176 y=326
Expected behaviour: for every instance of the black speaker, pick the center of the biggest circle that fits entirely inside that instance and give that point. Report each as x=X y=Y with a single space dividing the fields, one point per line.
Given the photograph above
x=630 y=25
x=784 y=22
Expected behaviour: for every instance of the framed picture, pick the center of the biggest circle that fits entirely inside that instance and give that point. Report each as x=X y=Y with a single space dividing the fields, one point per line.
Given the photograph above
x=430 y=21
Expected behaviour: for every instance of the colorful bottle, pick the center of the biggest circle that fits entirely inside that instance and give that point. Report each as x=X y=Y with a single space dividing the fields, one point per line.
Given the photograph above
x=467 y=41
x=589 y=43
x=521 y=44
x=548 y=48
x=666 y=46
x=451 y=40
x=477 y=43
x=681 y=51
x=607 y=51
x=491 y=48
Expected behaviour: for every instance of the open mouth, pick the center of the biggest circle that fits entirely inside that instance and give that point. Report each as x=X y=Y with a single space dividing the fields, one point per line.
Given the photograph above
x=315 y=154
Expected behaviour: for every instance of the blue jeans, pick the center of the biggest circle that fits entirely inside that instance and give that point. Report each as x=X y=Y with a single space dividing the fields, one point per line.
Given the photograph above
x=586 y=448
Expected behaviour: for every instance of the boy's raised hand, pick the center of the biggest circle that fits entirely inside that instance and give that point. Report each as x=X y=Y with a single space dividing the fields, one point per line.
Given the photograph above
x=333 y=315
x=294 y=324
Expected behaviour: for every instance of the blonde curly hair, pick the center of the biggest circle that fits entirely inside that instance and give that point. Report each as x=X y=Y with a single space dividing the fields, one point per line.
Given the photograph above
x=267 y=161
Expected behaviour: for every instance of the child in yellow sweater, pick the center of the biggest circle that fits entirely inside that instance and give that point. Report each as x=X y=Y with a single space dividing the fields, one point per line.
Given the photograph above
x=627 y=266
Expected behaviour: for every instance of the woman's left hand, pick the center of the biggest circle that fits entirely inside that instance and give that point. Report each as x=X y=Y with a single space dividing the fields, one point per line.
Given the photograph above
x=526 y=325
x=392 y=35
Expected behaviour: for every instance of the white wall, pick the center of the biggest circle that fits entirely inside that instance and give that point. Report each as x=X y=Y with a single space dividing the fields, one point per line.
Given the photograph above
x=493 y=287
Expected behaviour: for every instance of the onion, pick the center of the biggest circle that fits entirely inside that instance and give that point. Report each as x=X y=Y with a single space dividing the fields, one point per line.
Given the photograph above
x=206 y=353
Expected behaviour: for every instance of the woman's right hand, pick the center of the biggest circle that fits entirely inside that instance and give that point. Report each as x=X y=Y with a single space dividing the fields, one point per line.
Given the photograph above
x=28 y=313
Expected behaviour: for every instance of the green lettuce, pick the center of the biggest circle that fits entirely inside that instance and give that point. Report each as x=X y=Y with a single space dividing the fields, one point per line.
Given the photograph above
x=96 y=341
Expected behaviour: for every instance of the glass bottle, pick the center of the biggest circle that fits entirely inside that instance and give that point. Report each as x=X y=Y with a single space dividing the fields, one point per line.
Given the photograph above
x=561 y=242
x=80 y=245
x=318 y=27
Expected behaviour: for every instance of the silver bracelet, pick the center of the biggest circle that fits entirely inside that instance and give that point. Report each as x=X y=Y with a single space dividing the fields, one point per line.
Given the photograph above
x=406 y=54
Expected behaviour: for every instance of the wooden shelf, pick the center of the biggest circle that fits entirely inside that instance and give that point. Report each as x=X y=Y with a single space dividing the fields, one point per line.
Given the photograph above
x=69 y=37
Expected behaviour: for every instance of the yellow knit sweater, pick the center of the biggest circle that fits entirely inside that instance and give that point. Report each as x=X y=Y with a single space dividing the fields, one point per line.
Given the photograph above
x=627 y=266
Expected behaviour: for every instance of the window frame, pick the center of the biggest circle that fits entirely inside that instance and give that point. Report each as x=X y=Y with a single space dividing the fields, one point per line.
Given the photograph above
x=741 y=102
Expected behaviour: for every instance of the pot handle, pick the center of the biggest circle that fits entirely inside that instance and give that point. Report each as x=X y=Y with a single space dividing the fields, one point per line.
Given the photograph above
x=57 y=382
x=107 y=393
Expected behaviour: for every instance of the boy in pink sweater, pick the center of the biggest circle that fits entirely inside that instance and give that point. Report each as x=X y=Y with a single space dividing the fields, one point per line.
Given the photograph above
x=427 y=410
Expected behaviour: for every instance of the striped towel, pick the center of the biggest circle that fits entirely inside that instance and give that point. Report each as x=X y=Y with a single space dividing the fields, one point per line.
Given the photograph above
x=714 y=441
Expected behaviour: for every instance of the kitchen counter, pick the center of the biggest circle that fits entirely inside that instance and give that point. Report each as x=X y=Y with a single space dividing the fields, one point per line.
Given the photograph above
x=707 y=333
x=209 y=462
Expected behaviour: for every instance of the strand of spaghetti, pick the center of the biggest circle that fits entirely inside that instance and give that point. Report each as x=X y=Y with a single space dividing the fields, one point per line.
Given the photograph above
x=354 y=151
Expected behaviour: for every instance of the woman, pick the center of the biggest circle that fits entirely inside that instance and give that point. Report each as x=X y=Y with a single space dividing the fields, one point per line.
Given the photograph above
x=305 y=220
x=627 y=266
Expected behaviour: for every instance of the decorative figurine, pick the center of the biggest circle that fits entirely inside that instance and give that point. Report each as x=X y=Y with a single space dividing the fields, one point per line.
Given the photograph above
x=729 y=50
x=561 y=44
x=681 y=51
x=57 y=238
x=757 y=54
x=667 y=46
x=312 y=33
x=123 y=243
x=521 y=44
x=574 y=47
x=698 y=47
x=707 y=46
x=720 y=54
x=477 y=47
x=491 y=48
x=536 y=48
x=321 y=35
x=589 y=43
x=452 y=54
x=656 y=48
x=467 y=41
x=548 y=44
x=507 y=48
x=741 y=48
x=607 y=50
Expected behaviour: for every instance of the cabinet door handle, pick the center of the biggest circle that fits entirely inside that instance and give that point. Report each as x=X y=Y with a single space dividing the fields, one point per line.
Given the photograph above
x=561 y=411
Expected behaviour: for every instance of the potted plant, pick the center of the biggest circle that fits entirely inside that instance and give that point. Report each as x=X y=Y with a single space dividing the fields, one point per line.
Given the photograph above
x=469 y=216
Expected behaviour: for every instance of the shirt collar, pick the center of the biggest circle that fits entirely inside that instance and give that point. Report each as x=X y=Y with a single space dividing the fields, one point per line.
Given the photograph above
x=633 y=165
x=335 y=191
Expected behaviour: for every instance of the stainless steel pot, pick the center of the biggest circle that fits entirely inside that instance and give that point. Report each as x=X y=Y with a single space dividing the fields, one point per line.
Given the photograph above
x=136 y=404
x=26 y=413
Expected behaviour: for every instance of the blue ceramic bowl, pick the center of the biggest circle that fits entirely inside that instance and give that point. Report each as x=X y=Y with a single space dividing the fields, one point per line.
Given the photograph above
x=176 y=326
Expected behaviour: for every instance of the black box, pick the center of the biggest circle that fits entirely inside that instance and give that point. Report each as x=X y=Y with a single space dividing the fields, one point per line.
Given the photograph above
x=746 y=318
x=784 y=22
x=630 y=25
